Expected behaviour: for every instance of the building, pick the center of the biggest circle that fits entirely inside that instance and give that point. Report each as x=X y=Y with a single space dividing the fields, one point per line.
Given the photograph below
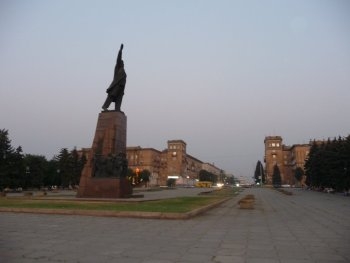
x=145 y=159
x=287 y=158
x=173 y=162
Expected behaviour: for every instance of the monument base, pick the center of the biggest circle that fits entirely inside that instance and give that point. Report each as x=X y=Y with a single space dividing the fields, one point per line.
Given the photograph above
x=105 y=188
x=104 y=174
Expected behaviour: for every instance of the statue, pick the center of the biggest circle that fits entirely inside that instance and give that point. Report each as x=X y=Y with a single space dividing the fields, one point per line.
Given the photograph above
x=110 y=166
x=115 y=91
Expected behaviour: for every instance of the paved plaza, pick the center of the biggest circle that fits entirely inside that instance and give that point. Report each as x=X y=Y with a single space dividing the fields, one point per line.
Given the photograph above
x=305 y=227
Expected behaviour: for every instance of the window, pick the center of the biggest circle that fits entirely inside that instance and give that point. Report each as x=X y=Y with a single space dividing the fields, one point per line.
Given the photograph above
x=273 y=144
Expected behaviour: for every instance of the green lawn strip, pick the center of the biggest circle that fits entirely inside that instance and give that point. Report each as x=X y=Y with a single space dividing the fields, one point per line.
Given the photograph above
x=173 y=205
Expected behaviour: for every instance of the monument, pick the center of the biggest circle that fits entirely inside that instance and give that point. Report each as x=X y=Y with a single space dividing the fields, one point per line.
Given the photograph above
x=104 y=174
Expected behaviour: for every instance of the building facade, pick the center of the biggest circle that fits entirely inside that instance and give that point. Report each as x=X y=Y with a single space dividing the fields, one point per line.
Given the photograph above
x=287 y=158
x=145 y=159
x=173 y=162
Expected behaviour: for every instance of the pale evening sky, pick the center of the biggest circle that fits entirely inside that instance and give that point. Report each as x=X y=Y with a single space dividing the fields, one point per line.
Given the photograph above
x=220 y=75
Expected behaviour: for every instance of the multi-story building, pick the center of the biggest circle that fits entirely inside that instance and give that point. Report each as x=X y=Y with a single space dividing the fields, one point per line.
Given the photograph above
x=287 y=158
x=145 y=158
x=211 y=168
x=173 y=162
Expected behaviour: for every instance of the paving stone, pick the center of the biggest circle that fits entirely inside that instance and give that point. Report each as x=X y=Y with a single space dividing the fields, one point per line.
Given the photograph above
x=303 y=228
x=229 y=259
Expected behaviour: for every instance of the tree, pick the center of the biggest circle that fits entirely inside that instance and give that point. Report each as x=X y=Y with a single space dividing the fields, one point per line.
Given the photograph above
x=309 y=164
x=5 y=145
x=328 y=164
x=346 y=153
x=64 y=166
x=18 y=170
x=36 y=168
x=69 y=167
x=145 y=176
x=204 y=175
x=77 y=165
x=171 y=182
x=230 y=180
x=259 y=174
x=52 y=176
x=276 y=176
x=299 y=172
x=12 y=169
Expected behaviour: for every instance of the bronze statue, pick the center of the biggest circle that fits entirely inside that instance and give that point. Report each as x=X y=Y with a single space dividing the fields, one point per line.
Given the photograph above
x=115 y=91
x=110 y=166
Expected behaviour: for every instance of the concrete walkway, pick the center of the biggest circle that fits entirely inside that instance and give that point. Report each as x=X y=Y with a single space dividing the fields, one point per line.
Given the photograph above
x=305 y=227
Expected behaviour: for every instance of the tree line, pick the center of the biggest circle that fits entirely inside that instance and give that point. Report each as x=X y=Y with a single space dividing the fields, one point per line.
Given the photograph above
x=328 y=164
x=26 y=171
x=19 y=170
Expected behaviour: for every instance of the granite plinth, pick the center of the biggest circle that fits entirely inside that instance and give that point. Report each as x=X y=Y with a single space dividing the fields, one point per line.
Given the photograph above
x=106 y=188
x=109 y=140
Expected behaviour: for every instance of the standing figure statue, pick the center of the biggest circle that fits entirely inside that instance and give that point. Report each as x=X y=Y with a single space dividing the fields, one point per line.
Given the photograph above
x=115 y=91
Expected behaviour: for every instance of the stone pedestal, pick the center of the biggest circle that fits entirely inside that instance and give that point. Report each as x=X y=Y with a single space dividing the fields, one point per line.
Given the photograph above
x=91 y=187
x=102 y=175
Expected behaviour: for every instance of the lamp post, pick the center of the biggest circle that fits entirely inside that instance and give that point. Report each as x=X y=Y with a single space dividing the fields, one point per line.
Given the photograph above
x=27 y=177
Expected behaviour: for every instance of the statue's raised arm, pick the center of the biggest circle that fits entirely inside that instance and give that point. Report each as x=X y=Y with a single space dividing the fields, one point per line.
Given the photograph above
x=119 y=58
x=116 y=89
x=119 y=61
x=120 y=52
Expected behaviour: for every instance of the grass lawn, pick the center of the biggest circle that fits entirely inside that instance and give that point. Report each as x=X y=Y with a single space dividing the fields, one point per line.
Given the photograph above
x=173 y=205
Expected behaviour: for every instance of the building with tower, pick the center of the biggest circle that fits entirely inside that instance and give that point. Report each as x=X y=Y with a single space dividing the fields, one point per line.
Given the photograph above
x=173 y=162
x=287 y=158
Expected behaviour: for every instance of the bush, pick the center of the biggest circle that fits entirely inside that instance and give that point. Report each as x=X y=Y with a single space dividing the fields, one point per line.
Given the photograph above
x=171 y=182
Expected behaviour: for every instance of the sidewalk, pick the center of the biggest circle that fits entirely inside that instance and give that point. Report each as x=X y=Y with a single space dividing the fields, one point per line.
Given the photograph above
x=304 y=227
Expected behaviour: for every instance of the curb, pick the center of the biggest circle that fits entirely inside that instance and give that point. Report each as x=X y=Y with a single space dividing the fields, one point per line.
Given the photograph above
x=130 y=214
